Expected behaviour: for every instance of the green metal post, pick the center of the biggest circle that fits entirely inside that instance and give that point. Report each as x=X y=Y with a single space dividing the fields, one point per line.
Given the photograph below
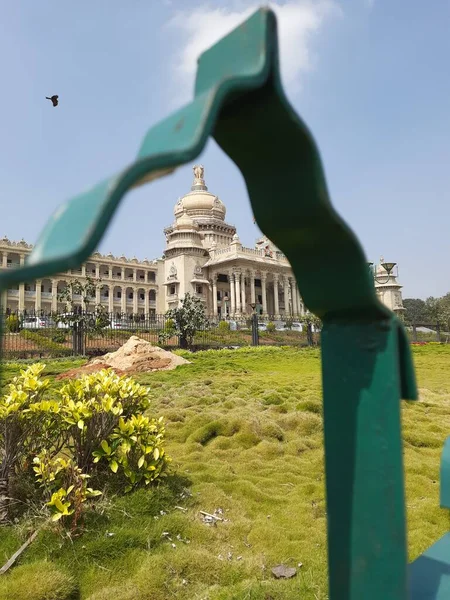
x=363 y=457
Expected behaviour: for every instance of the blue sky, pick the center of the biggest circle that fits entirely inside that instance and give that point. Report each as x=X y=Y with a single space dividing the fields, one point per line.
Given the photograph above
x=370 y=78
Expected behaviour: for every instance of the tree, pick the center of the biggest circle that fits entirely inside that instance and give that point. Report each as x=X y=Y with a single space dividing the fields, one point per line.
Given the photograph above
x=311 y=320
x=416 y=313
x=82 y=319
x=188 y=318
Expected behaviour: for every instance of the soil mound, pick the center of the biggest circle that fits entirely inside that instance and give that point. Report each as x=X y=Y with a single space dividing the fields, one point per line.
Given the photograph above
x=135 y=356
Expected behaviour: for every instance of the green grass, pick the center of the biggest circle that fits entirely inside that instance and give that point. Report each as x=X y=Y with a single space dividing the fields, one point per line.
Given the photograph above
x=244 y=430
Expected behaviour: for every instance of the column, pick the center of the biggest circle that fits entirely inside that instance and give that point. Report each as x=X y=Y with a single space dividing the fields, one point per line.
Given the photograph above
x=252 y=287
x=4 y=300
x=110 y=271
x=37 y=300
x=111 y=299
x=5 y=260
x=98 y=299
x=275 y=295
x=97 y=271
x=301 y=308
x=146 y=302
x=83 y=270
x=214 y=288
x=295 y=310
x=135 y=298
x=286 y=296
x=232 y=296
x=264 y=293
x=134 y=275
x=54 y=295
x=22 y=260
x=244 y=301
x=123 y=273
x=238 y=293
x=21 y=296
x=124 y=299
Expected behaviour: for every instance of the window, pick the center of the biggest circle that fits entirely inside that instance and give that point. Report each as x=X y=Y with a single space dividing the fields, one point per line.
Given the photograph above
x=42 y=288
x=172 y=290
x=199 y=289
x=222 y=278
x=151 y=276
x=219 y=295
x=119 y=295
x=106 y=293
x=130 y=295
x=141 y=296
x=258 y=283
x=152 y=295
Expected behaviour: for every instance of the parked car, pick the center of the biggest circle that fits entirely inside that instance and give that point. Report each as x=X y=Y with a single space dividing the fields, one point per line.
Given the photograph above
x=262 y=326
x=297 y=327
x=37 y=323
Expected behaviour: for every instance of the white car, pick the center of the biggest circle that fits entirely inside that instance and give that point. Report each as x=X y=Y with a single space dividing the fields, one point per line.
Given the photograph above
x=37 y=323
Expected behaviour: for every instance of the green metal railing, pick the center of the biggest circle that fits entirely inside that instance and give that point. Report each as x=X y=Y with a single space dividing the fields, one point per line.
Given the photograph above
x=367 y=366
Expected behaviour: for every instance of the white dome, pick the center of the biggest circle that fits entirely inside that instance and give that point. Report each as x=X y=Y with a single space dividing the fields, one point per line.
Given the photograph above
x=199 y=201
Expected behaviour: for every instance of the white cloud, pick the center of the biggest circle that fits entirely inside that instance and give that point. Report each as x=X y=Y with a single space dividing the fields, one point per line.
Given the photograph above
x=199 y=28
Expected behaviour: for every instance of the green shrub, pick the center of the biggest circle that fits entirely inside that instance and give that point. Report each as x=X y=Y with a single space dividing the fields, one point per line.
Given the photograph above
x=12 y=324
x=45 y=343
x=59 y=337
x=90 y=423
x=224 y=326
x=169 y=325
x=270 y=327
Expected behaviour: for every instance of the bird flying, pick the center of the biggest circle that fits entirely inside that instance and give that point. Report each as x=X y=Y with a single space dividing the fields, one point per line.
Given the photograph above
x=54 y=99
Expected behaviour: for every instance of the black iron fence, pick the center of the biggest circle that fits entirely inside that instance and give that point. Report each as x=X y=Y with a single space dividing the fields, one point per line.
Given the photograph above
x=28 y=336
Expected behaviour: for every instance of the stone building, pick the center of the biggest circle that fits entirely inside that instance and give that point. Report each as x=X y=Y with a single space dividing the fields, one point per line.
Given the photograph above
x=203 y=256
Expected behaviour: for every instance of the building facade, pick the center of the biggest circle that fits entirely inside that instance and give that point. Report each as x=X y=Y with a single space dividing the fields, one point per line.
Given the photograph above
x=203 y=256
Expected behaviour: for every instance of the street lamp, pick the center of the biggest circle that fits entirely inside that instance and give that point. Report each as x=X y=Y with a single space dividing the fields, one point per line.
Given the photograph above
x=387 y=266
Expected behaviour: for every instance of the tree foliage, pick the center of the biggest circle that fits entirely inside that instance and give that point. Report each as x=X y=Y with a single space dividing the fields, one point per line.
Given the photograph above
x=188 y=319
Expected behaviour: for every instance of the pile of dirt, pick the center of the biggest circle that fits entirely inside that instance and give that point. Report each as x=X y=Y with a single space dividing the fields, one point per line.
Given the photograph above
x=135 y=356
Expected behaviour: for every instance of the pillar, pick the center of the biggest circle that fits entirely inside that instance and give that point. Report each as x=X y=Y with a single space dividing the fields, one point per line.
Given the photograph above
x=295 y=310
x=286 y=296
x=123 y=273
x=238 y=293
x=5 y=260
x=4 y=300
x=252 y=287
x=244 y=301
x=275 y=295
x=232 y=296
x=301 y=308
x=146 y=303
x=124 y=299
x=110 y=271
x=134 y=276
x=21 y=296
x=111 y=299
x=264 y=293
x=37 y=300
x=98 y=299
x=214 y=292
x=83 y=270
x=22 y=260
x=97 y=271
x=54 y=295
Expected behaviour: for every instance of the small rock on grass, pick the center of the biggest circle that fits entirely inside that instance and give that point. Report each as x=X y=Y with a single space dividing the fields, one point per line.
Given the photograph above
x=283 y=572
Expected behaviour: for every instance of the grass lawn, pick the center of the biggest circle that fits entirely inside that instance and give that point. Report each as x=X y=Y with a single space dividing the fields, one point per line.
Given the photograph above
x=244 y=430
